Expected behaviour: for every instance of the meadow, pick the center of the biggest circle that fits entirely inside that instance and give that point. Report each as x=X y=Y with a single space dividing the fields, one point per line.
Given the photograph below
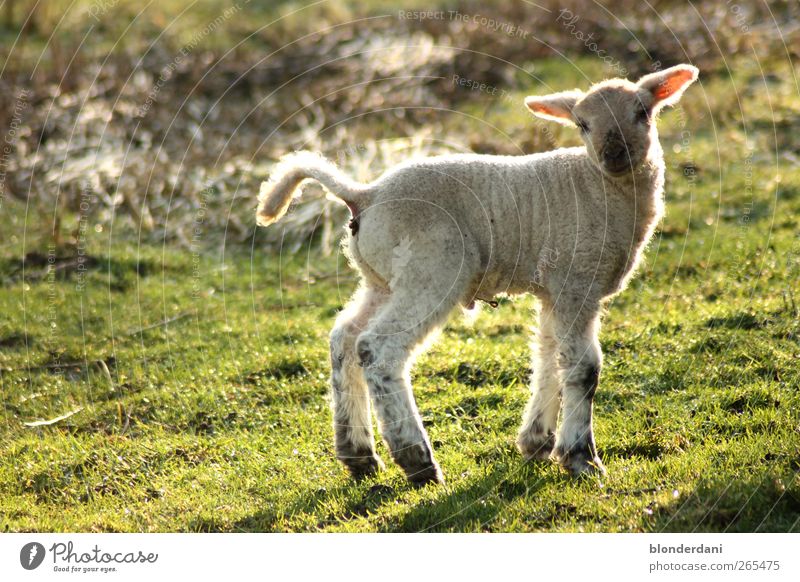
x=156 y=383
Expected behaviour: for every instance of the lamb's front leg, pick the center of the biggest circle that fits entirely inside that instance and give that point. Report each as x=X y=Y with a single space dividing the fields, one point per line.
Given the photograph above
x=580 y=360
x=537 y=437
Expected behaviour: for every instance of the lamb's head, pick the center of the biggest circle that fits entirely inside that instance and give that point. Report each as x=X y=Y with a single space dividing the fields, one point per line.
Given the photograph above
x=617 y=117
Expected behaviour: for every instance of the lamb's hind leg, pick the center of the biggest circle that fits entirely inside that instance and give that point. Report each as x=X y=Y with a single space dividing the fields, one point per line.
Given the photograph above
x=576 y=325
x=352 y=422
x=537 y=436
x=386 y=350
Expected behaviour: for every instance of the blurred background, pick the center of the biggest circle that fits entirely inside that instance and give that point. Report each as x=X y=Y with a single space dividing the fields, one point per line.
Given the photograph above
x=150 y=113
x=164 y=364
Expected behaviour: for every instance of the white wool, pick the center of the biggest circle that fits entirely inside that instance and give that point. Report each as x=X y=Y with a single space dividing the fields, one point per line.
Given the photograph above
x=431 y=234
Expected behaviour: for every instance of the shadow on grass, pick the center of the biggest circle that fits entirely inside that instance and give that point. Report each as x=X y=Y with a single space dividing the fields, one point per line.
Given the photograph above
x=359 y=504
x=767 y=501
x=479 y=504
x=461 y=508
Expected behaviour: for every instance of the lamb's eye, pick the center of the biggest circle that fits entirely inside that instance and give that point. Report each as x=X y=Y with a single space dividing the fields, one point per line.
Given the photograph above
x=643 y=116
x=582 y=125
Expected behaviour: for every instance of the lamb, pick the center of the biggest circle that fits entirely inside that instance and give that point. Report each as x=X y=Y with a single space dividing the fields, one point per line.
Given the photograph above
x=431 y=234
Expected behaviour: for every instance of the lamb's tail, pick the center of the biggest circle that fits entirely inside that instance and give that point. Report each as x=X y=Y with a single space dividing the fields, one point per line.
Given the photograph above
x=276 y=194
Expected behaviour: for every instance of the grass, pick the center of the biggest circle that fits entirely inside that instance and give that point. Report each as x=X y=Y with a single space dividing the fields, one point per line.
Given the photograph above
x=193 y=385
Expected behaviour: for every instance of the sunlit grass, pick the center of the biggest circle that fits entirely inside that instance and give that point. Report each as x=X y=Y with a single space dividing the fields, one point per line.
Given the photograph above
x=198 y=381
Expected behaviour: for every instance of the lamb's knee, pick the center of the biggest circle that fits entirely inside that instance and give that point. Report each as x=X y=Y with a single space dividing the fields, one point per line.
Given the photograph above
x=342 y=339
x=366 y=352
x=582 y=371
x=371 y=351
x=344 y=363
x=337 y=345
x=589 y=379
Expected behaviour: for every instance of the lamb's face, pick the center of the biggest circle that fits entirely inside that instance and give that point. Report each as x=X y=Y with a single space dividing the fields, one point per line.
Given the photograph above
x=616 y=117
x=615 y=121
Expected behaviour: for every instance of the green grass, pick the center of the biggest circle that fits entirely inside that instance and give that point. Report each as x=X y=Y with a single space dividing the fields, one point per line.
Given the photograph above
x=219 y=419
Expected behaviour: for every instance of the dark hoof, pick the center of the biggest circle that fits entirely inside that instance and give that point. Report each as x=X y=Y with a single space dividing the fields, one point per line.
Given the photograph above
x=425 y=475
x=536 y=447
x=363 y=467
x=581 y=463
x=418 y=464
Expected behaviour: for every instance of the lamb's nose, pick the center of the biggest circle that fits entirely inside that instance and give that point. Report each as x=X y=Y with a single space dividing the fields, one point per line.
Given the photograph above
x=615 y=152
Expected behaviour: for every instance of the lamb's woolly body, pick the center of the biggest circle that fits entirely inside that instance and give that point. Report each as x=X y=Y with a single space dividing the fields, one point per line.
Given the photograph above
x=434 y=233
x=521 y=224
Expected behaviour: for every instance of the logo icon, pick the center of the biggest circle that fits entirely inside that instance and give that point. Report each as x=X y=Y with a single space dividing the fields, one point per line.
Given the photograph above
x=31 y=555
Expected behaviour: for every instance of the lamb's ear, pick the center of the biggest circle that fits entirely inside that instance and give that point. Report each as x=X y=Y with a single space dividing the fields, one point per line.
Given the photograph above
x=667 y=86
x=555 y=107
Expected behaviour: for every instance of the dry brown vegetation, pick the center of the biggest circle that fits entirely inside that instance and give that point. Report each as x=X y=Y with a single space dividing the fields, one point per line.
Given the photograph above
x=168 y=127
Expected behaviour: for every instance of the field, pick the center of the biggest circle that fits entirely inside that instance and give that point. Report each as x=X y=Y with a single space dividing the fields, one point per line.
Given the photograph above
x=151 y=385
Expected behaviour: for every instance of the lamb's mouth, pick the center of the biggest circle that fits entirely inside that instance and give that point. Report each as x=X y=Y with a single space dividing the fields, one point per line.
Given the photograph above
x=618 y=172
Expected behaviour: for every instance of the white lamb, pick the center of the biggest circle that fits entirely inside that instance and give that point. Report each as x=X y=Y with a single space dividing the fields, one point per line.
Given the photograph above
x=568 y=226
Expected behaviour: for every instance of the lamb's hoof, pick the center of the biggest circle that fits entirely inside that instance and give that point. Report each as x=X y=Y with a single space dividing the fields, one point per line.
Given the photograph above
x=424 y=475
x=418 y=463
x=581 y=463
x=536 y=447
x=361 y=468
